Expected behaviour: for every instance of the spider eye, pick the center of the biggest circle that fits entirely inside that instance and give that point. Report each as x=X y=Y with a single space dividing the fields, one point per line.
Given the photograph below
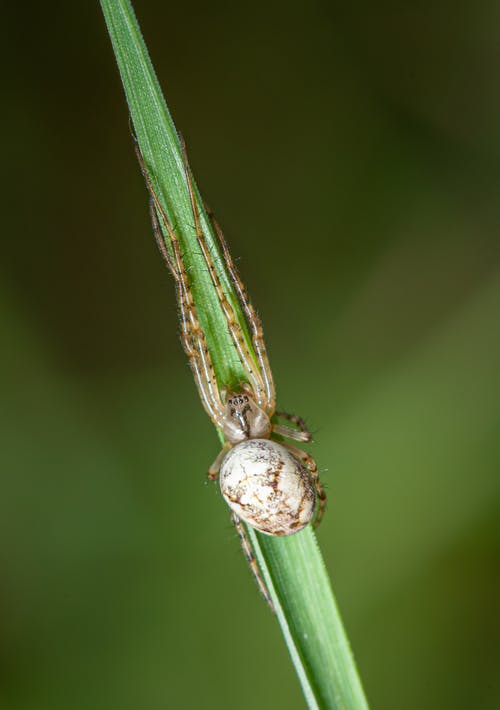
x=246 y=398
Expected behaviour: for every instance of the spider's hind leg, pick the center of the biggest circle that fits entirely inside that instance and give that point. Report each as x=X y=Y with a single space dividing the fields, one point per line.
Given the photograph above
x=308 y=460
x=250 y=558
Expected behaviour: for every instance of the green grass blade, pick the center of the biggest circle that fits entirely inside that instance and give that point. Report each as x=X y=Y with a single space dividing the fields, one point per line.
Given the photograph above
x=296 y=576
x=293 y=567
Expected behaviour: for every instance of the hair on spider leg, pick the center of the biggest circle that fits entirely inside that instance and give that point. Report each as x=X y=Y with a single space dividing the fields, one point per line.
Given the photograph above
x=200 y=254
x=313 y=433
x=213 y=251
x=212 y=248
x=191 y=226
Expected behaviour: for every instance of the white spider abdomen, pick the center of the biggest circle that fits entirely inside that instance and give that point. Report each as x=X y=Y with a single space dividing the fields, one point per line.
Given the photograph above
x=267 y=487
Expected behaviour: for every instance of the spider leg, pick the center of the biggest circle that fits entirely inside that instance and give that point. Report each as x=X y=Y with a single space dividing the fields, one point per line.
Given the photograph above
x=300 y=434
x=291 y=433
x=192 y=335
x=254 y=375
x=308 y=460
x=250 y=558
x=251 y=316
x=213 y=471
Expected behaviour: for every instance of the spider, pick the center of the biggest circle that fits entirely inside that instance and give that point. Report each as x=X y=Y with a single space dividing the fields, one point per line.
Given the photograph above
x=270 y=485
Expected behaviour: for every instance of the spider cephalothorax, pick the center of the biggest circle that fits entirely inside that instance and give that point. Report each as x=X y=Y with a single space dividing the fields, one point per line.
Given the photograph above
x=243 y=419
x=272 y=485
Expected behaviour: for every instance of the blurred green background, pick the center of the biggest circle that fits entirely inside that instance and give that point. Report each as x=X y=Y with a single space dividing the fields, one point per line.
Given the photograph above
x=352 y=155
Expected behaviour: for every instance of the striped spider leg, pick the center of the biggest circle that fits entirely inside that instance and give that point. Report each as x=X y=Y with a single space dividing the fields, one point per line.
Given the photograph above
x=270 y=485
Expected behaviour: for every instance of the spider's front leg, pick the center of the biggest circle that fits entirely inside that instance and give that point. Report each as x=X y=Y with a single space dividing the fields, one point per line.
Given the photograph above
x=192 y=335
